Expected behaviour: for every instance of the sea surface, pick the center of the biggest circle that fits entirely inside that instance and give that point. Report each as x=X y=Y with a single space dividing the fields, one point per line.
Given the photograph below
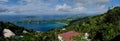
x=43 y=27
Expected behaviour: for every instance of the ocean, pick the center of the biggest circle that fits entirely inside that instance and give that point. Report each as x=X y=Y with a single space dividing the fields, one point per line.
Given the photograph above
x=43 y=27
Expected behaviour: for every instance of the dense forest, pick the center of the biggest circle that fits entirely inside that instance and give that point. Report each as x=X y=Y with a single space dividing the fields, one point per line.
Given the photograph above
x=104 y=27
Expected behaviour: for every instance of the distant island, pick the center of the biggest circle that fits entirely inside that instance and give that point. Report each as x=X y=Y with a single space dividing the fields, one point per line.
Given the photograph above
x=30 y=17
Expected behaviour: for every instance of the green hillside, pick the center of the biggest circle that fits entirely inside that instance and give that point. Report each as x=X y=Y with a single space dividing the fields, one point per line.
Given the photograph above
x=103 y=27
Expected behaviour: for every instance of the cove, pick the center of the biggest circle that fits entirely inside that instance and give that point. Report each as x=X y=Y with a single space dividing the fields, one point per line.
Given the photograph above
x=42 y=27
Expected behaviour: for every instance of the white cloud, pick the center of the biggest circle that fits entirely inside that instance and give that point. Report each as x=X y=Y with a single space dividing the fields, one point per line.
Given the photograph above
x=3 y=8
x=31 y=7
x=79 y=8
x=90 y=1
x=84 y=6
x=4 y=0
x=52 y=7
x=67 y=8
x=26 y=0
x=63 y=7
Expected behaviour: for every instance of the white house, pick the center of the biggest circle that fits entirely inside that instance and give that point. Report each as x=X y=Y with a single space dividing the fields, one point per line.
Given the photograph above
x=8 y=33
x=63 y=29
x=24 y=31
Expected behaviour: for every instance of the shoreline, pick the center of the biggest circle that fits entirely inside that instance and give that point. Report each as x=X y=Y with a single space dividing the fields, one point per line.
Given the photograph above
x=61 y=23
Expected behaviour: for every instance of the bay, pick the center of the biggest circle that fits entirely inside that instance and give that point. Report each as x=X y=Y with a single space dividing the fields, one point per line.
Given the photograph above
x=42 y=27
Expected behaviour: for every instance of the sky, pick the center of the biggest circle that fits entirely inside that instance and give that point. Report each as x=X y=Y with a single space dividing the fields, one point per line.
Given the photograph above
x=51 y=7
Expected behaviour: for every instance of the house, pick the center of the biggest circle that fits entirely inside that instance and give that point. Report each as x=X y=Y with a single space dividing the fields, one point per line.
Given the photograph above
x=67 y=36
x=63 y=29
x=24 y=31
x=8 y=33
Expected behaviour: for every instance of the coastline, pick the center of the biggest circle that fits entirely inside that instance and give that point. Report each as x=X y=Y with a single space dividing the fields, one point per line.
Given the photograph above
x=62 y=23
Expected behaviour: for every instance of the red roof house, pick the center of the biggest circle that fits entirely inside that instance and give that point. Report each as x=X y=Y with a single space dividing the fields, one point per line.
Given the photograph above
x=67 y=36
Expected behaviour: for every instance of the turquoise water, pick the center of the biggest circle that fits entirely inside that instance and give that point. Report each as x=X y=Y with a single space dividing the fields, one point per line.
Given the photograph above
x=43 y=27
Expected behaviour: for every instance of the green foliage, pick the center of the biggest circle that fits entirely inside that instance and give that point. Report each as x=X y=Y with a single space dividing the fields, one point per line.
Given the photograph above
x=102 y=27
x=81 y=37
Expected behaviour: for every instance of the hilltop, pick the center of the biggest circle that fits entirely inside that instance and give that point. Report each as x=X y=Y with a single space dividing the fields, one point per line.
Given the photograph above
x=102 y=27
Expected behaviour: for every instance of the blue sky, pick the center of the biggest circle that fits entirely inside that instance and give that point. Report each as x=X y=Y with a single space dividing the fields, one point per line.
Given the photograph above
x=31 y=7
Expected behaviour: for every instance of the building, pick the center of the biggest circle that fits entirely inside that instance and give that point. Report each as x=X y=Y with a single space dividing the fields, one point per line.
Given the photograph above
x=8 y=33
x=67 y=36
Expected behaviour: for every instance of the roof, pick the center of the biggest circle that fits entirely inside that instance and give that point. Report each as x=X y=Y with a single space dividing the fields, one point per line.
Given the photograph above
x=67 y=36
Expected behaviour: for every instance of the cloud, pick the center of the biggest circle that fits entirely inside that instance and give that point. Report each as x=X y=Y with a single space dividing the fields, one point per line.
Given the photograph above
x=84 y=6
x=67 y=8
x=63 y=7
x=55 y=6
x=89 y=1
x=28 y=7
x=3 y=8
x=4 y=0
x=79 y=8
